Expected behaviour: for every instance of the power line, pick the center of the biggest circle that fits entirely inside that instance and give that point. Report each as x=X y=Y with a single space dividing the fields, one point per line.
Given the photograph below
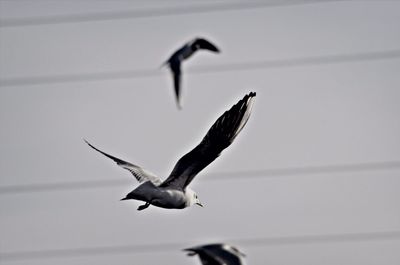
x=51 y=79
x=240 y=66
x=325 y=238
x=153 y=12
x=174 y=246
x=245 y=174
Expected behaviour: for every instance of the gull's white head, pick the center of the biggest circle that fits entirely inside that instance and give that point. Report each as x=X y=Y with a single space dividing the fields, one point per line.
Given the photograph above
x=192 y=197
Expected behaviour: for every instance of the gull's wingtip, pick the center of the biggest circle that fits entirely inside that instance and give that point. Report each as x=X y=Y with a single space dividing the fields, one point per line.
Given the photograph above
x=249 y=99
x=178 y=100
x=87 y=142
x=252 y=94
x=206 y=44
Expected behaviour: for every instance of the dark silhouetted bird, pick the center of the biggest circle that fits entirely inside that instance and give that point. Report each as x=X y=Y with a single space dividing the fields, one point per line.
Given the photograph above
x=183 y=53
x=173 y=192
x=217 y=254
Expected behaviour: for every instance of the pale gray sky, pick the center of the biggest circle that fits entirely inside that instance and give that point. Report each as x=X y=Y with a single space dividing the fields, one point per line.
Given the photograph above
x=305 y=115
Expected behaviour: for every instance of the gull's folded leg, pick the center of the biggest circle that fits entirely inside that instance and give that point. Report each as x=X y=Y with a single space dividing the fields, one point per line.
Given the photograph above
x=144 y=206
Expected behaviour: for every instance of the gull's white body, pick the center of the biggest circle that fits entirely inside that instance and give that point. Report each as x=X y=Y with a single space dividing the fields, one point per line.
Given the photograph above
x=168 y=198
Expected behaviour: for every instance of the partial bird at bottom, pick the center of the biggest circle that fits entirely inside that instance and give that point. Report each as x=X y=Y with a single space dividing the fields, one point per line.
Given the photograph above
x=217 y=254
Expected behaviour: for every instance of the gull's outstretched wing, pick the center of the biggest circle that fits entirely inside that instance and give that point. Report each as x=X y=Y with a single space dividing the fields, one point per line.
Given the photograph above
x=139 y=173
x=219 y=137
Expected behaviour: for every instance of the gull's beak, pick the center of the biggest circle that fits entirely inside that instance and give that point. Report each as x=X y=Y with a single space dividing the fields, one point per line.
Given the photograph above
x=199 y=204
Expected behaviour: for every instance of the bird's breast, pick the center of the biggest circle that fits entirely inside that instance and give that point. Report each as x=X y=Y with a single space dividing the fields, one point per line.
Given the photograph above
x=170 y=198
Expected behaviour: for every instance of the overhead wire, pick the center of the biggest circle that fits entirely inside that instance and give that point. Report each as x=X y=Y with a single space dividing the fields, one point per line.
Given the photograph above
x=175 y=246
x=239 y=66
x=234 y=175
x=154 y=12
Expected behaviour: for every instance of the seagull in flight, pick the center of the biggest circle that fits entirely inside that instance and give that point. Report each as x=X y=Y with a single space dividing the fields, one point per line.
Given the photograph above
x=217 y=254
x=183 y=53
x=174 y=193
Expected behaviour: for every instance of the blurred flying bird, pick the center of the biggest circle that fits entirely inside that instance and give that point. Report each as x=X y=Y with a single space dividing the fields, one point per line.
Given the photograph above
x=173 y=193
x=183 y=53
x=217 y=254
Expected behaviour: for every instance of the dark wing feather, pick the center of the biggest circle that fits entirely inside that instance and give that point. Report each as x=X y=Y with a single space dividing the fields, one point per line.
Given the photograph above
x=175 y=66
x=205 y=44
x=139 y=173
x=205 y=256
x=216 y=254
x=218 y=251
x=219 y=137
